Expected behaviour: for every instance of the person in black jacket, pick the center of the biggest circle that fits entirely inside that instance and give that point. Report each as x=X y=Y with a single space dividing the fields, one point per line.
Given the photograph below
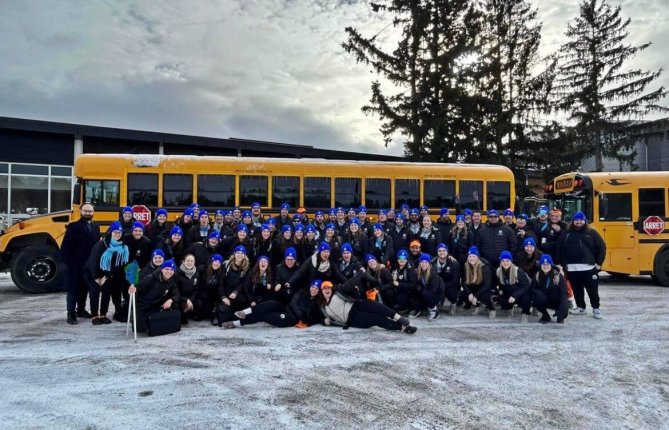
x=404 y=279
x=513 y=285
x=156 y=292
x=78 y=241
x=429 y=290
x=581 y=253
x=495 y=238
x=549 y=231
x=106 y=276
x=159 y=228
x=203 y=251
x=139 y=246
x=357 y=239
x=188 y=279
x=259 y=284
x=381 y=245
x=157 y=259
x=126 y=220
x=208 y=287
x=460 y=240
x=378 y=280
x=230 y=293
x=523 y=231
x=550 y=291
x=173 y=246
x=448 y=268
x=429 y=236
x=348 y=264
x=477 y=283
x=318 y=266
x=263 y=244
x=198 y=232
x=399 y=234
x=444 y=223
x=285 y=270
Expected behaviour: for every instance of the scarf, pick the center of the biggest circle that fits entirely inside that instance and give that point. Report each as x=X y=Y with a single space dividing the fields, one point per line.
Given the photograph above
x=188 y=272
x=121 y=255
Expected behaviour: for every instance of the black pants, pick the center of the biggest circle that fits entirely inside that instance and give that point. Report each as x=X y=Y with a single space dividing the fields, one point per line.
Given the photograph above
x=425 y=299
x=524 y=301
x=551 y=300
x=99 y=307
x=389 y=297
x=77 y=290
x=582 y=281
x=227 y=313
x=452 y=293
x=366 y=314
x=484 y=296
x=272 y=312
x=119 y=290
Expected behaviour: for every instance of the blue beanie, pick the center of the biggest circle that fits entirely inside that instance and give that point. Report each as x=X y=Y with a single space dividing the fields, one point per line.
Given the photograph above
x=323 y=247
x=355 y=221
x=228 y=212
x=468 y=212
x=546 y=259
x=157 y=252
x=508 y=212
x=161 y=211
x=404 y=206
x=217 y=257
x=319 y=213
x=299 y=227
x=341 y=209
x=315 y=283
x=219 y=212
x=194 y=205
x=505 y=255
x=263 y=257
x=188 y=212
x=362 y=209
x=529 y=241
x=137 y=224
x=126 y=209
x=414 y=211
x=297 y=217
x=176 y=230
x=168 y=264
x=370 y=257
x=460 y=218
x=579 y=216
x=346 y=247
x=399 y=216
x=240 y=248
x=255 y=205
x=425 y=257
x=271 y=222
x=442 y=245
x=115 y=226
x=265 y=227
x=247 y=214
x=285 y=228
x=241 y=227
x=473 y=251
x=378 y=226
x=403 y=254
x=523 y=216
x=311 y=228
x=443 y=211
x=290 y=253
x=203 y=213
x=383 y=212
x=214 y=235
x=493 y=212
x=333 y=211
x=285 y=206
x=330 y=226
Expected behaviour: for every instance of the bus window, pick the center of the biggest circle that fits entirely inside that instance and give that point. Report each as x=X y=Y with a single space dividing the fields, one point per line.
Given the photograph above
x=651 y=202
x=347 y=192
x=317 y=193
x=471 y=193
x=216 y=191
x=142 y=189
x=377 y=193
x=615 y=207
x=252 y=189
x=438 y=193
x=407 y=191
x=499 y=195
x=177 y=190
x=285 y=189
x=101 y=193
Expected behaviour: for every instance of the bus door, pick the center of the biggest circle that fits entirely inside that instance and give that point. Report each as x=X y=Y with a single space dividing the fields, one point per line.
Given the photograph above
x=617 y=228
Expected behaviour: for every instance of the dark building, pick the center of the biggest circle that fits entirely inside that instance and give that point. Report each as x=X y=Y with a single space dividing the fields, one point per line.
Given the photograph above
x=36 y=158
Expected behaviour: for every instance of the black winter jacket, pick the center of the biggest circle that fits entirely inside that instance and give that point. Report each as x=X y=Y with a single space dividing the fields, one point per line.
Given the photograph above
x=581 y=246
x=494 y=239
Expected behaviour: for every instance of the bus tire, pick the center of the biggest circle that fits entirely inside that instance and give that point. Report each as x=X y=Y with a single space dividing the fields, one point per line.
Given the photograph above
x=35 y=270
x=661 y=268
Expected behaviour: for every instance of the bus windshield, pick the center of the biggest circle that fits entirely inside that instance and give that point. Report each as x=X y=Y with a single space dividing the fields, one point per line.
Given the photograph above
x=569 y=203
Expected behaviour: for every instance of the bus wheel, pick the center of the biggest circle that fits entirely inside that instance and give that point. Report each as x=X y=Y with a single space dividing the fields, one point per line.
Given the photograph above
x=661 y=268
x=35 y=270
x=618 y=275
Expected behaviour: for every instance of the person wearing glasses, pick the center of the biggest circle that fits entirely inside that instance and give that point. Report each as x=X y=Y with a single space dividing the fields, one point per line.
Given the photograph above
x=495 y=238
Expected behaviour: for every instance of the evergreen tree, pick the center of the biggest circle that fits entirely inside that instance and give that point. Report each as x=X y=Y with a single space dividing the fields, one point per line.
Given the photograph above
x=601 y=96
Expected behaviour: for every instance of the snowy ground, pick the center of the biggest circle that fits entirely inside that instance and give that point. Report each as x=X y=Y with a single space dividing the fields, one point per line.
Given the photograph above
x=459 y=372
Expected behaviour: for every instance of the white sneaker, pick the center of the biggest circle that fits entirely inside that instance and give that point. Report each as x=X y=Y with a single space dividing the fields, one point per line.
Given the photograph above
x=597 y=314
x=577 y=311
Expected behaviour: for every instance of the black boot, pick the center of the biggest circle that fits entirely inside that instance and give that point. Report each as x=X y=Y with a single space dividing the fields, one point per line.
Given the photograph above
x=72 y=318
x=82 y=313
x=545 y=318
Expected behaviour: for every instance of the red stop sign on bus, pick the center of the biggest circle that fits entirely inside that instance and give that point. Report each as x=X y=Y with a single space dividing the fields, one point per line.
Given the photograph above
x=142 y=214
x=653 y=225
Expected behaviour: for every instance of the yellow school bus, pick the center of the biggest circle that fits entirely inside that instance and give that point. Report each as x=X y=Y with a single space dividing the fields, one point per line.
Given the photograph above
x=629 y=210
x=111 y=182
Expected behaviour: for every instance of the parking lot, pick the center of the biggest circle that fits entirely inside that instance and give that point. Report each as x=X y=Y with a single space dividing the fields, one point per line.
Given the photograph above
x=461 y=371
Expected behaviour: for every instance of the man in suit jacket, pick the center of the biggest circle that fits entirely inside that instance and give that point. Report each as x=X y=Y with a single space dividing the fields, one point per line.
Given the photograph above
x=80 y=236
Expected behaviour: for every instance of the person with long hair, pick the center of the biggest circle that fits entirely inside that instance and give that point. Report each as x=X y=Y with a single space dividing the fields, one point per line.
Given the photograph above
x=259 y=284
x=333 y=240
x=342 y=305
x=230 y=292
x=448 y=269
x=203 y=251
x=357 y=239
x=460 y=240
x=159 y=228
x=477 y=283
x=581 y=253
x=429 y=236
x=263 y=244
x=282 y=242
x=429 y=290
x=310 y=244
x=399 y=233
x=241 y=238
x=349 y=265
x=173 y=246
x=285 y=270
x=550 y=291
x=404 y=279
x=381 y=245
x=299 y=239
x=157 y=259
x=188 y=279
x=211 y=278
x=378 y=280
x=513 y=286
x=318 y=266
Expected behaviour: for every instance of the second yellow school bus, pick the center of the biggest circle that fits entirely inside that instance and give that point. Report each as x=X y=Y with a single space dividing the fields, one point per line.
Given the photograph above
x=111 y=182
x=617 y=204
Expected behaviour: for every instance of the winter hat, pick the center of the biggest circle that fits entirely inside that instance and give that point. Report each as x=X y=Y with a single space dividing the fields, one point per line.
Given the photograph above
x=323 y=247
x=115 y=226
x=546 y=259
x=263 y=257
x=297 y=217
x=286 y=228
x=126 y=209
x=399 y=217
x=161 y=211
x=285 y=206
x=442 y=245
x=403 y=254
x=404 y=206
x=529 y=241
x=290 y=253
x=424 y=257
x=333 y=211
x=194 y=205
x=414 y=211
x=219 y=212
x=203 y=213
x=508 y=212
x=362 y=209
x=505 y=255
x=369 y=257
x=330 y=226
x=137 y=224
x=378 y=226
x=188 y=212
x=315 y=283
x=271 y=222
x=168 y=264
x=473 y=251
x=443 y=211
x=578 y=216
x=523 y=216
x=157 y=252
x=493 y=212
x=311 y=228
x=346 y=247
x=255 y=205
x=326 y=284
x=383 y=212
x=340 y=209
x=217 y=257
x=240 y=248
x=355 y=221
x=242 y=227
x=176 y=230
x=299 y=227
x=228 y=212
x=468 y=212
x=459 y=218
x=247 y=214
x=424 y=208
x=214 y=235
x=265 y=227
x=319 y=213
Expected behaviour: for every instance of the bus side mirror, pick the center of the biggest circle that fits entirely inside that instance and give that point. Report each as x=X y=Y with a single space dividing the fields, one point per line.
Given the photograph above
x=76 y=196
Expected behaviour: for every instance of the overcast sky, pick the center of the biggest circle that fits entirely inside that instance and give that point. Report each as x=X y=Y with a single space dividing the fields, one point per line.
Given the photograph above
x=258 y=69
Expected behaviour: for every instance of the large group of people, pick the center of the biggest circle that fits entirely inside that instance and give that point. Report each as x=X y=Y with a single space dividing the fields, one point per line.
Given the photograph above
x=238 y=267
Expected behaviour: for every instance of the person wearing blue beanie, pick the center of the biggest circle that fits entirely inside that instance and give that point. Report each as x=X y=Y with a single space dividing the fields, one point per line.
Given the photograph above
x=126 y=219
x=444 y=223
x=159 y=228
x=477 y=283
x=513 y=286
x=346 y=247
x=139 y=246
x=357 y=239
x=549 y=290
x=528 y=254
x=157 y=259
x=156 y=292
x=381 y=244
x=429 y=291
x=505 y=255
x=448 y=270
x=494 y=238
x=349 y=263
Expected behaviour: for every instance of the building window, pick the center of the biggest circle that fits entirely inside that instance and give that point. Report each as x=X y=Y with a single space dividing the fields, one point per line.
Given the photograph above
x=30 y=195
x=317 y=193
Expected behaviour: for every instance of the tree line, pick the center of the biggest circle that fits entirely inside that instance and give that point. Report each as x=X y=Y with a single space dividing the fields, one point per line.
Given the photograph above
x=466 y=83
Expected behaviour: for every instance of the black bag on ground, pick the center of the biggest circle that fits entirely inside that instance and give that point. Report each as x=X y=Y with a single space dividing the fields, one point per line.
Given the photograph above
x=166 y=322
